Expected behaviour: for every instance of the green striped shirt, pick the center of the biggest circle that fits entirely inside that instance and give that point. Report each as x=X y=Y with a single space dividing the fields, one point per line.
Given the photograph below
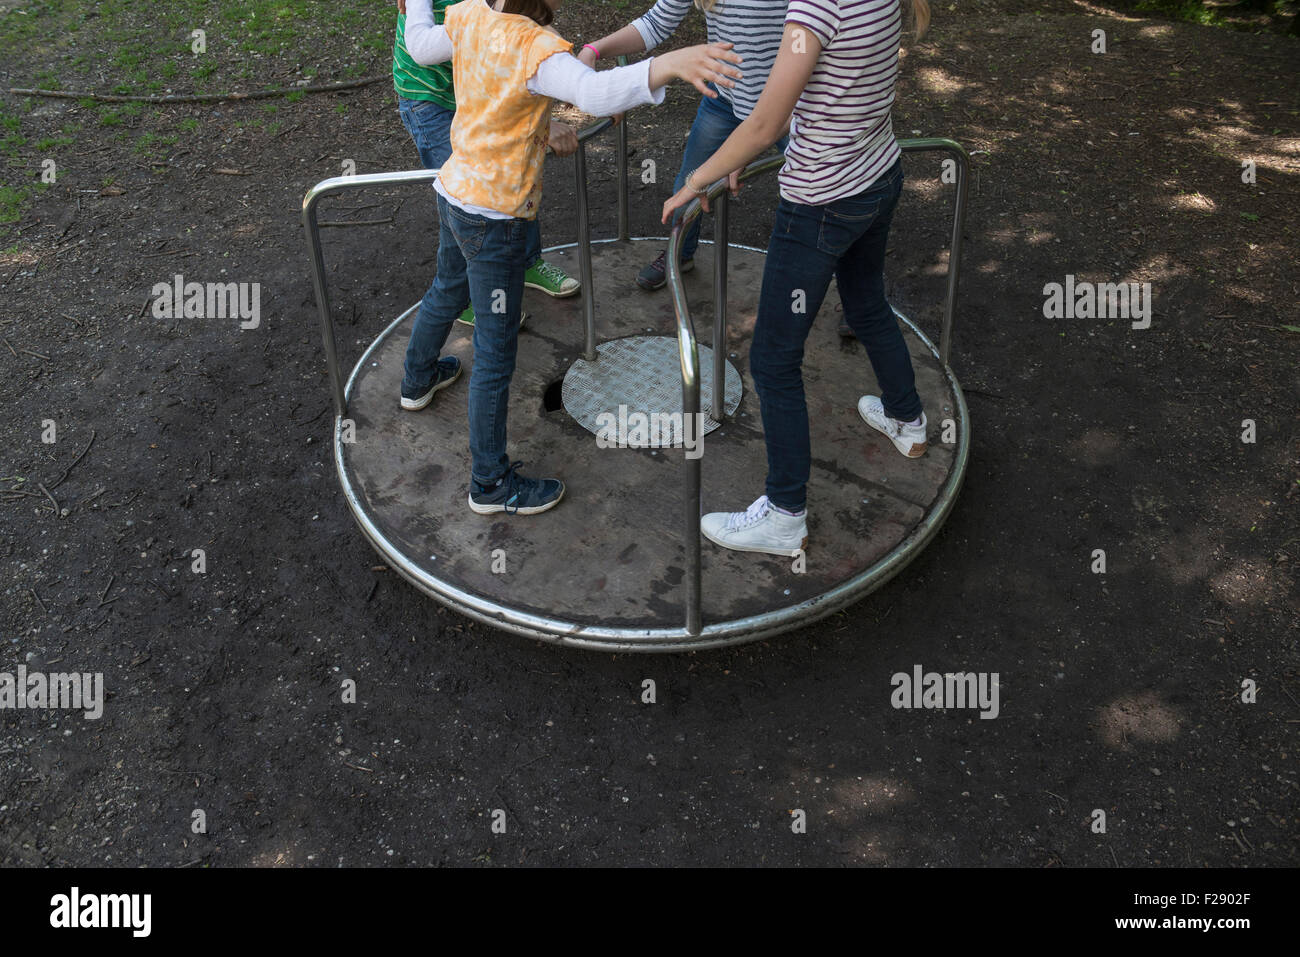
x=417 y=82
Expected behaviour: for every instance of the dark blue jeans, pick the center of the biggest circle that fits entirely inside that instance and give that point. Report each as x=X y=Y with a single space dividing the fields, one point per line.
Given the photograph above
x=482 y=261
x=810 y=244
x=714 y=122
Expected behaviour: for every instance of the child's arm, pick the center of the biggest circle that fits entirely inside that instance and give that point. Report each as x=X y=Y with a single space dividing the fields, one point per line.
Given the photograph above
x=645 y=33
x=562 y=77
x=800 y=48
x=426 y=41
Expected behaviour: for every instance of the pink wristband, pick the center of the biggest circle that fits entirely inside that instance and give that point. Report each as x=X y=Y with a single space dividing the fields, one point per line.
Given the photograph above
x=593 y=47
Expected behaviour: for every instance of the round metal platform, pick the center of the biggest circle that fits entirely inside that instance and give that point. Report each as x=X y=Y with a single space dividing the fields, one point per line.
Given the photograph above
x=604 y=569
x=633 y=394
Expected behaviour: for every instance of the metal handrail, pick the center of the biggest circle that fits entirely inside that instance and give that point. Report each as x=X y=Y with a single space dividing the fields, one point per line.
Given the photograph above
x=688 y=346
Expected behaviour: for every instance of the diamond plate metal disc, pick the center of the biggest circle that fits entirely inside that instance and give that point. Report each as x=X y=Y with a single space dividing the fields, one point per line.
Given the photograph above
x=633 y=391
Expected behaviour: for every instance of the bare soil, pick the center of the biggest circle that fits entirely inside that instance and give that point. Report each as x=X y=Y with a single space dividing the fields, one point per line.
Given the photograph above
x=1120 y=691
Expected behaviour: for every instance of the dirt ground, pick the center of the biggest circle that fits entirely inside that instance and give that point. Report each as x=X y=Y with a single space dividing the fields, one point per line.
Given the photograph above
x=1120 y=691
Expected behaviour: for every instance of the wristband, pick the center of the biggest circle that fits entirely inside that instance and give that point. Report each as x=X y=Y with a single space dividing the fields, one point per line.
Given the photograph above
x=693 y=189
x=593 y=47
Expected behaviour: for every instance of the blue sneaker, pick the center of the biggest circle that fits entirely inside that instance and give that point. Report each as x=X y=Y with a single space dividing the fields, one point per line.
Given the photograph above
x=448 y=370
x=515 y=494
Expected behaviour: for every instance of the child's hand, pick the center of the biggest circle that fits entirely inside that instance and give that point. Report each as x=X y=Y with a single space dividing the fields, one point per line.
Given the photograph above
x=686 y=194
x=401 y=6
x=707 y=63
x=564 y=139
x=680 y=199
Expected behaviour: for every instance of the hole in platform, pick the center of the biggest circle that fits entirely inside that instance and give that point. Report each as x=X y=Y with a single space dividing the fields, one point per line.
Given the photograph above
x=553 y=397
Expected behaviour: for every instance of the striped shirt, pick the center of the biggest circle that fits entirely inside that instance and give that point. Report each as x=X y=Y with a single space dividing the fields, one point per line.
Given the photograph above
x=415 y=82
x=754 y=26
x=841 y=136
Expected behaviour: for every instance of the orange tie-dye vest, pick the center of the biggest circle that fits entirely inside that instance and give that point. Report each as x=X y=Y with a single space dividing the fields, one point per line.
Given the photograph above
x=499 y=135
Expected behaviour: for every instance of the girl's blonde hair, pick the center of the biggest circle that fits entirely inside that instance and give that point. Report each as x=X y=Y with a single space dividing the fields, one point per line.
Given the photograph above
x=920 y=17
x=920 y=13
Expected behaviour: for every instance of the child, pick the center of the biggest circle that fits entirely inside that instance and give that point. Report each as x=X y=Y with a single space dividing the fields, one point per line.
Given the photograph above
x=507 y=67
x=832 y=87
x=426 y=102
x=754 y=27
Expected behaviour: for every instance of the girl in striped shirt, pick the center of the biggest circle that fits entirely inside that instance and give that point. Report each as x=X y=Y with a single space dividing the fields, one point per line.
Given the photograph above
x=832 y=88
x=754 y=27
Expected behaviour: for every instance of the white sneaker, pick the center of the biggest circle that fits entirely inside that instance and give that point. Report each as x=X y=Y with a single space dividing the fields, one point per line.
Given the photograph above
x=759 y=529
x=908 y=439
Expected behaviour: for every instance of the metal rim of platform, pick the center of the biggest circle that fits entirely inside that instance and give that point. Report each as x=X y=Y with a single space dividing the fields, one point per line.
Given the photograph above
x=712 y=635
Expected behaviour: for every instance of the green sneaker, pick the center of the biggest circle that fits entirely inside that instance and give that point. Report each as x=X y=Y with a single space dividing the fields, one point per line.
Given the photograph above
x=551 y=280
x=467 y=317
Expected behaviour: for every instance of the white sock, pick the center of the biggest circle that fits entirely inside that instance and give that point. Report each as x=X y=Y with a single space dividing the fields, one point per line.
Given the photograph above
x=786 y=511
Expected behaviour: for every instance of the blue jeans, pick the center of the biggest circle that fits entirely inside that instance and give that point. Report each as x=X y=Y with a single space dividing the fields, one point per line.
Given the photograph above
x=810 y=244
x=429 y=124
x=482 y=261
x=714 y=122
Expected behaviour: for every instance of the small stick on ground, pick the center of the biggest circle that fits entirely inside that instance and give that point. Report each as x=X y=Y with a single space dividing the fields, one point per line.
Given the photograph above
x=38 y=601
x=111 y=579
x=51 y=498
x=68 y=470
x=197 y=97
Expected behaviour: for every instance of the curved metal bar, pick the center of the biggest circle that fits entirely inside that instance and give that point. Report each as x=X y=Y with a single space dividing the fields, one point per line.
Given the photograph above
x=338 y=184
x=689 y=353
x=962 y=158
x=595 y=129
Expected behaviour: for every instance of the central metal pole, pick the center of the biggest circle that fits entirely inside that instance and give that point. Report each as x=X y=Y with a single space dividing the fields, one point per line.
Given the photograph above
x=720 y=245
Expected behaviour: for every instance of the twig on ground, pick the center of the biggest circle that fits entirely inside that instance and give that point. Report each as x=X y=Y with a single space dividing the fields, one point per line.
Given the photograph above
x=68 y=470
x=197 y=97
x=50 y=497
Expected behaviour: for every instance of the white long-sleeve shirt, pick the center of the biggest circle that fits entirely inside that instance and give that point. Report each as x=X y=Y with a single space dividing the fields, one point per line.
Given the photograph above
x=560 y=76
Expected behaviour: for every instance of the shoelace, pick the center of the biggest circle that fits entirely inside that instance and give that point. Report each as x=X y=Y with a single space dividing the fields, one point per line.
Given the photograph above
x=751 y=516
x=552 y=272
x=512 y=486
